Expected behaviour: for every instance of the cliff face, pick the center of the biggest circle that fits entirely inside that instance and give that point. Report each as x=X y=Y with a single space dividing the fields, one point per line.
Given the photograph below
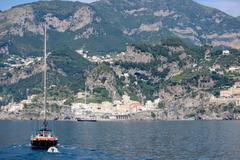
x=103 y=77
x=25 y=19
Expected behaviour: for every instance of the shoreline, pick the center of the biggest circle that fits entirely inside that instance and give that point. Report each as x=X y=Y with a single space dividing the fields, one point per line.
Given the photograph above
x=143 y=120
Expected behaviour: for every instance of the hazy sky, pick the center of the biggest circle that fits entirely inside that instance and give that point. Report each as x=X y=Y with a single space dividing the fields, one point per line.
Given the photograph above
x=231 y=7
x=6 y=4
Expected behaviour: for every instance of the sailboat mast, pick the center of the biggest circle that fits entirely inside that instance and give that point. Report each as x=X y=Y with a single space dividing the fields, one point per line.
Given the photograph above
x=45 y=73
x=86 y=89
x=85 y=94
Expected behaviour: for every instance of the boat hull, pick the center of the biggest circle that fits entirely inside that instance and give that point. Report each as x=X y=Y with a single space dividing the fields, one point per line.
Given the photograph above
x=81 y=120
x=43 y=144
x=86 y=120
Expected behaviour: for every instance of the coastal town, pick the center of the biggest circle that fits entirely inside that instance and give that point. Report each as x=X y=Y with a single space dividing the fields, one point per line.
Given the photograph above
x=126 y=109
x=118 y=110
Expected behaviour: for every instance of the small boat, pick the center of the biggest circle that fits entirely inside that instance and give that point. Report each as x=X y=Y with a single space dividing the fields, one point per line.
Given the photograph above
x=44 y=138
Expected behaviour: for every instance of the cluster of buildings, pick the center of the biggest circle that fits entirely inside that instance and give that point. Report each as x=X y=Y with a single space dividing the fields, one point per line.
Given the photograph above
x=17 y=66
x=131 y=54
x=15 y=61
x=17 y=107
x=117 y=110
x=208 y=54
x=111 y=111
x=231 y=69
x=96 y=59
x=231 y=95
x=217 y=68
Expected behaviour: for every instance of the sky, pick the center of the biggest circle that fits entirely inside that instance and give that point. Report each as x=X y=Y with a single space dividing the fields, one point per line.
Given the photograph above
x=6 y=4
x=232 y=7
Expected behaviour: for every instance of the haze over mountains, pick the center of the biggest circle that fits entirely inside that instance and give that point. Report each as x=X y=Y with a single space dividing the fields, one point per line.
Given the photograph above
x=107 y=25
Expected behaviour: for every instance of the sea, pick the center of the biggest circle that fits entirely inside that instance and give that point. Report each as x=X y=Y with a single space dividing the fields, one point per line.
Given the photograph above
x=125 y=140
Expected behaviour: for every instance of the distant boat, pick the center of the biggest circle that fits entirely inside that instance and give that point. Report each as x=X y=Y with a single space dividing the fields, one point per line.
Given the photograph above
x=44 y=138
x=86 y=120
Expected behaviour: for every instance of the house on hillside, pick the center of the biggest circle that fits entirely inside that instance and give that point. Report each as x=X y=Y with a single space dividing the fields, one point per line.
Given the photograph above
x=225 y=52
x=234 y=69
x=215 y=67
x=225 y=93
x=205 y=82
x=207 y=55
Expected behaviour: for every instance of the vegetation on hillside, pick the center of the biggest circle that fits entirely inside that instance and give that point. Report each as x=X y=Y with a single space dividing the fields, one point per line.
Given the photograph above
x=67 y=73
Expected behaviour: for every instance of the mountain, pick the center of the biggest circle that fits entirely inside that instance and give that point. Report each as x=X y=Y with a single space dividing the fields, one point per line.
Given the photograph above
x=164 y=49
x=107 y=25
x=238 y=17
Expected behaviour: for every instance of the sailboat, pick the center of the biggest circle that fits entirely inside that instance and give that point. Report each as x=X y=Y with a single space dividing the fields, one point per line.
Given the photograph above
x=44 y=138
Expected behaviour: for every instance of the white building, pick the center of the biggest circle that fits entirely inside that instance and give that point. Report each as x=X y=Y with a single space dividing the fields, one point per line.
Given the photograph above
x=226 y=52
x=234 y=69
x=80 y=51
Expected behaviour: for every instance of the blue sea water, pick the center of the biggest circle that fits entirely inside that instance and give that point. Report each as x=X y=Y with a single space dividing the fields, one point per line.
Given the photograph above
x=158 y=140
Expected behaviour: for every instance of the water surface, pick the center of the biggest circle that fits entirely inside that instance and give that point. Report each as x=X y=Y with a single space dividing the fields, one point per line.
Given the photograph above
x=184 y=140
